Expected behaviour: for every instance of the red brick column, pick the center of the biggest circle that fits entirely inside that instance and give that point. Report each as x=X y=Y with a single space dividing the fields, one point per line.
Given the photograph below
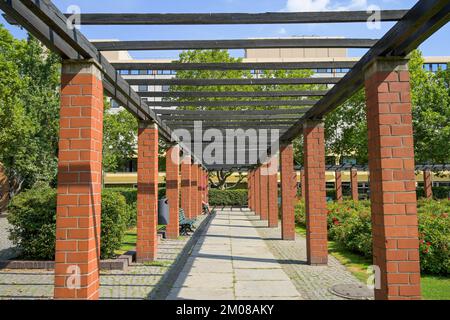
x=338 y=185
x=249 y=189
x=186 y=196
x=173 y=191
x=302 y=181
x=315 y=193
x=427 y=184
x=354 y=184
x=194 y=191
x=257 y=191
x=147 y=201
x=78 y=214
x=263 y=192
x=272 y=192
x=200 y=190
x=392 y=178
x=288 y=192
x=207 y=186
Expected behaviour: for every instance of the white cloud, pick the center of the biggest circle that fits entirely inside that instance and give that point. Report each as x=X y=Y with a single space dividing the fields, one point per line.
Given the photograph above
x=323 y=5
x=307 y=5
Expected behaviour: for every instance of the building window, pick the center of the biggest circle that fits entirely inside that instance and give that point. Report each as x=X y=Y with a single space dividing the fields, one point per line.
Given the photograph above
x=143 y=88
x=134 y=72
x=165 y=88
x=143 y=72
x=125 y=72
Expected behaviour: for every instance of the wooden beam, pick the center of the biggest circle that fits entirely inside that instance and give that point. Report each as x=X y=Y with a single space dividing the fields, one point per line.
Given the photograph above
x=141 y=45
x=226 y=113
x=213 y=117
x=232 y=82
x=211 y=104
x=232 y=94
x=235 y=66
x=416 y=26
x=235 y=18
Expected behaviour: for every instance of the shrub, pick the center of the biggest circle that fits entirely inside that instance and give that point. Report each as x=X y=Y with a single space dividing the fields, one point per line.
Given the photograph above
x=439 y=193
x=434 y=234
x=32 y=215
x=130 y=195
x=114 y=222
x=237 y=197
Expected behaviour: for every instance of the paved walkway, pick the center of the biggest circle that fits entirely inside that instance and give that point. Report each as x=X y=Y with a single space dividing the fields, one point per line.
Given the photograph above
x=231 y=261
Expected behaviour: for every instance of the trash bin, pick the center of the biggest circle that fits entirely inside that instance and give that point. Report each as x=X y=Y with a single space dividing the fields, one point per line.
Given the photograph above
x=163 y=211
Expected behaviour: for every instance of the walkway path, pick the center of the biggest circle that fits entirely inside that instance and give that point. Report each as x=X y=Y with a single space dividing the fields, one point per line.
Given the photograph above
x=231 y=261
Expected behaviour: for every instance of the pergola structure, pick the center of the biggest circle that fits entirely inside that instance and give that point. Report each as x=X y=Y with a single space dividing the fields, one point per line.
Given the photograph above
x=86 y=75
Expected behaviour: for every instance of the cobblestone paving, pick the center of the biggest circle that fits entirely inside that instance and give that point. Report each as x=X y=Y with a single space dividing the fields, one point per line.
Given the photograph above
x=6 y=247
x=313 y=282
x=136 y=283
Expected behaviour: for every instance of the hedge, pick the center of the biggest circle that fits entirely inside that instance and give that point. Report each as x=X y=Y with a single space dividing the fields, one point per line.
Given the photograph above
x=438 y=193
x=32 y=215
x=349 y=224
x=238 y=197
x=130 y=195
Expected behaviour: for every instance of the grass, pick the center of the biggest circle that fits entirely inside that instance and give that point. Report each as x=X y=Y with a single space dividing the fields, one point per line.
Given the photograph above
x=433 y=287
x=128 y=242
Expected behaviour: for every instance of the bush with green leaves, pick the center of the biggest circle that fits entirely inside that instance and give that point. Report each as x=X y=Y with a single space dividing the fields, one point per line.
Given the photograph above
x=130 y=195
x=32 y=215
x=434 y=234
x=440 y=193
x=238 y=197
x=350 y=225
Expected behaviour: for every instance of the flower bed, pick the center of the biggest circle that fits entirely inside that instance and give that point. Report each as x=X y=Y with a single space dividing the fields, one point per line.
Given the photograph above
x=349 y=224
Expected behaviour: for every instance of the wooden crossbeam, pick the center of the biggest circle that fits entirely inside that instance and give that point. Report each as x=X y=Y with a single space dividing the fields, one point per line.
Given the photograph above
x=233 y=94
x=235 y=18
x=293 y=103
x=141 y=45
x=225 y=113
x=233 y=82
x=235 y=66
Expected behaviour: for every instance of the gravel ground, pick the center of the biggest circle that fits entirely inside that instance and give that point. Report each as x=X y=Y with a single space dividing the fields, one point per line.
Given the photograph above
x=6 y=247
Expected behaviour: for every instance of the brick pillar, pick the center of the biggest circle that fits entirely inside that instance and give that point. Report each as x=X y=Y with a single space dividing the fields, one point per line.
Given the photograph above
x=338 y=186
x=78 y=213
x=200 y=189
x=272 y=192
x=302 y=181
x=288 y=192
x=257 y=191
x=207 y=186
x=315 y=193
x=428 y=184
x=249 y=189
x=173 y=191
x=392 y=179
x=186 y=196
x=263 y=192
x=147 y=201
x=194 y=191
x=354 y=184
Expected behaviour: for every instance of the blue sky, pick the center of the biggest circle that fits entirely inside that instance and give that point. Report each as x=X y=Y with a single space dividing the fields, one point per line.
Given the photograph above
x=437 y=45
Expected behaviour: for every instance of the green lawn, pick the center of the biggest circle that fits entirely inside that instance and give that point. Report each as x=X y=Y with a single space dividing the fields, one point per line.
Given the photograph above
x=433 y=287
x=128 y=242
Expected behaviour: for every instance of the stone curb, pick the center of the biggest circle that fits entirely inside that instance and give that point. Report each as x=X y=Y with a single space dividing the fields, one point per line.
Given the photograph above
x=121 y=263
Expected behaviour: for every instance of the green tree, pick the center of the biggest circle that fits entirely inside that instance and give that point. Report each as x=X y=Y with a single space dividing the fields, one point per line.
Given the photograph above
x=119 y=139
x=29 y=104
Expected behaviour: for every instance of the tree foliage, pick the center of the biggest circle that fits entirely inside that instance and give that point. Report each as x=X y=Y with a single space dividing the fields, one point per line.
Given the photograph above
x=29 y=109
